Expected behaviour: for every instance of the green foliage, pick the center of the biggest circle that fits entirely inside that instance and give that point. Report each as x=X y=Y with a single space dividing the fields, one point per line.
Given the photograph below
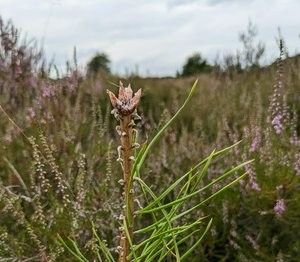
x=99 y=63
x=194 y=65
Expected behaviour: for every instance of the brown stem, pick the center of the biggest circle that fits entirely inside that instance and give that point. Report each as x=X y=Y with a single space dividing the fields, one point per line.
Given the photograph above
x=126 y=156
x=124 y=109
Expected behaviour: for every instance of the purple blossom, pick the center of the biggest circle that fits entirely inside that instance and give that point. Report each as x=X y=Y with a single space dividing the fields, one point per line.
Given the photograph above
x=279 y=208
x=242 y=182
x=48 y=90
x=7 y=138
x=252 y=179
x=277 y=124
x=254 y=144
x=31 y=112
x=73 y=81
x=297 y=165
x=249 y=170
x=256 y=137
x=255 y=186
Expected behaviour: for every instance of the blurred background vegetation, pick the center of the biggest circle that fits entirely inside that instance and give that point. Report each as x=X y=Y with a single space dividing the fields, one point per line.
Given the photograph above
x=58 y=169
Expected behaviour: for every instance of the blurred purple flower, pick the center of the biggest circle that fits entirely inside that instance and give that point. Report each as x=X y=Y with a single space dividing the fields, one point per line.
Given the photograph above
x=279 y=208
x=252 y=179
x=7 y=138
x=297 y=164
x=277 y=124
x=249 y=170
x=254 y=144
x=31 y=112
x=255 y=186
x=48 y=90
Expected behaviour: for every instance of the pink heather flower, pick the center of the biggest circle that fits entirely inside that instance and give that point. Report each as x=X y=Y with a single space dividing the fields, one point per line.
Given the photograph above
x=125 y=103
x=277 y=124
x=31 y=112
x=252 y=179
x=255 y=186
x=249 y=170
x=297 y=165
x=279 y=208
x=254 y=145
x=48 y=90
x=7 y=138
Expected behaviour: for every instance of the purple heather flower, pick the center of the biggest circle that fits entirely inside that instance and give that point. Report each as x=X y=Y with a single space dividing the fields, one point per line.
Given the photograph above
x=297 y=165
x=277 y=124
x=252 y=179
x=7 y=138
x=48 y=90
x=254 y=144
x=31 y=112
x=279 y=208
x=255 y=186
x=242 y=182
x=249 y=170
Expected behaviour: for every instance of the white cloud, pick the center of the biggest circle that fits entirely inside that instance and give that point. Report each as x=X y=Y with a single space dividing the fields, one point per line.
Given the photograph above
x=155 y=35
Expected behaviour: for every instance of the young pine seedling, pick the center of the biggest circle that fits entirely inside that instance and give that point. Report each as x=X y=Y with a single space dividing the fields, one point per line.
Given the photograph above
x=125 y=112
x=167 y=234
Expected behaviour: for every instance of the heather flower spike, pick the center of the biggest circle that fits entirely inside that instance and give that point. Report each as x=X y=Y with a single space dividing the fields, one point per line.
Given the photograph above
x=125 y=104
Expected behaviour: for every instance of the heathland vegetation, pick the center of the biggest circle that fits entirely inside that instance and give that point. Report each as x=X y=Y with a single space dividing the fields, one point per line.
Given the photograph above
x=60 y=180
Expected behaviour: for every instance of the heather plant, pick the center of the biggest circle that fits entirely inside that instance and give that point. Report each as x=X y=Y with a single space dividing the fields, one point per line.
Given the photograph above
x=58 y=169
x=271 y=139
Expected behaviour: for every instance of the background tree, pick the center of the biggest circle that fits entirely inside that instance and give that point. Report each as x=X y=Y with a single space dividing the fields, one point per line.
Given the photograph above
x=100 y=62
x=252 y=51
x=195 y=64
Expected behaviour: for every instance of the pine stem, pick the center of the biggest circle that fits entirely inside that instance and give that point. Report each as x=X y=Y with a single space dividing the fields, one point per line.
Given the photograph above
x=126 y=156
x=125 y=111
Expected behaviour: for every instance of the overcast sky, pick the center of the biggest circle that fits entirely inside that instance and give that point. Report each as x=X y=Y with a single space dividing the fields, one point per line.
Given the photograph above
x=155 y=35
